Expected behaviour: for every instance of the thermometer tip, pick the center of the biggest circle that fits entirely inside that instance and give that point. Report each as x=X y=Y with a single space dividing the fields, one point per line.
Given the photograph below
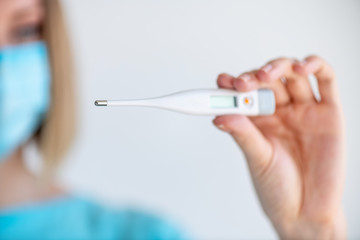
x=101 y=103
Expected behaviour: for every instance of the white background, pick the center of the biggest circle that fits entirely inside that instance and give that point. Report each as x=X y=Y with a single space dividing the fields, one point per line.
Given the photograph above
x=180 y=166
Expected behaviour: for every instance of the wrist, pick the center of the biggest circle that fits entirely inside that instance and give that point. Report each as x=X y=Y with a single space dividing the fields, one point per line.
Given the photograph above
x=331 y=228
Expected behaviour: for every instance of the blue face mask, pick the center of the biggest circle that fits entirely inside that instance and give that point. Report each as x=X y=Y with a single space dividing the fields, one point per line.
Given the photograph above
x=24 y=93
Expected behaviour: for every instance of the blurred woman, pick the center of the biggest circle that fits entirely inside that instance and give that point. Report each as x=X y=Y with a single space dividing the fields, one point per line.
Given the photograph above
x=36 y=104
x=296 y=156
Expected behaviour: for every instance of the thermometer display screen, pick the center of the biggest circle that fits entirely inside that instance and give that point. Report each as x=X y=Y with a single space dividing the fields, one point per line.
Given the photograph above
x=223 y=102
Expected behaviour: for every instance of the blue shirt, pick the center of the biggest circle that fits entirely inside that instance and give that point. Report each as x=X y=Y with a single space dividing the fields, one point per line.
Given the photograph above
x=77 y=218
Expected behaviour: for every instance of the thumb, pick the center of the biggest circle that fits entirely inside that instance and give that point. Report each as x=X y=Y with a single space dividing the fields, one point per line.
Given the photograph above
x=256 y=148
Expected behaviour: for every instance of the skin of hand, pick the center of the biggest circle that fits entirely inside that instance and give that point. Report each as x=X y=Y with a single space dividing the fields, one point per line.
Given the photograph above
x=296 y=156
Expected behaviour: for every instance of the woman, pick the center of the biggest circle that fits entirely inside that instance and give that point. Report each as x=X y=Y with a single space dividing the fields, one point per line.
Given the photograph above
x=296 y=157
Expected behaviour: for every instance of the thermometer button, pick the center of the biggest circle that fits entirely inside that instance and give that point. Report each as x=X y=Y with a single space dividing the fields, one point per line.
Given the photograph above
x=248 y=101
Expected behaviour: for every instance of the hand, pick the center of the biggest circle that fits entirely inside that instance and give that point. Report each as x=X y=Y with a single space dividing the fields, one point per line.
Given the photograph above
x=296 y=156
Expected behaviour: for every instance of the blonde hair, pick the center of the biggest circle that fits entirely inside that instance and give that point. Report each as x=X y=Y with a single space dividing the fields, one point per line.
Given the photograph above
x=57 y=131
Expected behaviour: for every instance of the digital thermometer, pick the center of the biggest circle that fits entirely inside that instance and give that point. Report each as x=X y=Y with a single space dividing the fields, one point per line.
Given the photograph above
x=207 y=102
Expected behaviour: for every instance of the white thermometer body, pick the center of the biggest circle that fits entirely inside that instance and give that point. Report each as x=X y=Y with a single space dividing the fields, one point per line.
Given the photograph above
x=207 y=102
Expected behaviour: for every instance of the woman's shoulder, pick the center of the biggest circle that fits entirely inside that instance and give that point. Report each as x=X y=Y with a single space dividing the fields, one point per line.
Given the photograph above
x=74 y=217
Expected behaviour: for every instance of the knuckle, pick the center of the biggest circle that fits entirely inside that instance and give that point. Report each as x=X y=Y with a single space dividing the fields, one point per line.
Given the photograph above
x=280 y=60
x=330 y=70
x=324 y=65
x=294 y=60
x=221 y=75
x=314 y=57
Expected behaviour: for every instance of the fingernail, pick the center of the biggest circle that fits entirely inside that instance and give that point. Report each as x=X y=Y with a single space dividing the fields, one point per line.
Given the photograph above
x=221 y=126
x=245 y=77
x=283 y=79
x=303 y=62
x=267 y=68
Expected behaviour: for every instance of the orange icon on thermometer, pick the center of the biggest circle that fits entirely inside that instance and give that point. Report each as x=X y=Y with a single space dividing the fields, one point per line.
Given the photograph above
x=248 y=101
